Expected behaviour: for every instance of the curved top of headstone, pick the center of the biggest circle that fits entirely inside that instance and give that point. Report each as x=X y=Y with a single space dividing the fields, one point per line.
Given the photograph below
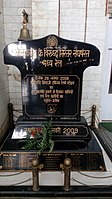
x=51 y=54
x=51 y=72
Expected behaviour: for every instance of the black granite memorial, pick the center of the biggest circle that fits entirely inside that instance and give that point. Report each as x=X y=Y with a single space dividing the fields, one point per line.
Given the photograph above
x=51 y=82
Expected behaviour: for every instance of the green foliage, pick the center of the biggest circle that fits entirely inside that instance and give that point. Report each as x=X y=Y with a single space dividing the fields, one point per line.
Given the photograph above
x=42 y=139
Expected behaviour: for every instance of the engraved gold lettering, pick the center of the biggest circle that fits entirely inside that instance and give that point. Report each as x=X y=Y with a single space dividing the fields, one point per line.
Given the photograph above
x=55 y=100
x=64 y=78
x=47 y=63
x=38 y=77
x=61 y=96
x=46 y=78
x=36 y=92
x=70 y=82
x=54 y=78
x=70 y=131
x=50 y=94
x=48 y=91
x=46 y=82
x=50 y=53
x=55 y=82
x=47 y=101
x=56 y=130
x=58 y=63
x=81 y=53
x=65 y=53
x=69 y=91
x=51 y=87
x=60 y=91
x=40 y=52
x=54 y=96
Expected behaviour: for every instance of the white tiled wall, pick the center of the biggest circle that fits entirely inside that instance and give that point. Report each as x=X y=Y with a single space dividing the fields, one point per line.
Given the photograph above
x=95 y=35
x=73 y=25
x=4 y=88
x=12 y=25
x=45 y=18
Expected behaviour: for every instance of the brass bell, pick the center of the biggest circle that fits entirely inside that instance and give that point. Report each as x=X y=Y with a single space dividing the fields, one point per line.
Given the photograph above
x=24 y=33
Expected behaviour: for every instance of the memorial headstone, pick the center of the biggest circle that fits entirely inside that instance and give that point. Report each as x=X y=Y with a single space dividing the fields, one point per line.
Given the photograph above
x=51 y=79
x=51 y=72
x=51 y=82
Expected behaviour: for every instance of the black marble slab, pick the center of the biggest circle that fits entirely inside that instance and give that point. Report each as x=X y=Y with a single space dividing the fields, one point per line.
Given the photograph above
x=51 y=85
x=85 y=156
x=51 y=74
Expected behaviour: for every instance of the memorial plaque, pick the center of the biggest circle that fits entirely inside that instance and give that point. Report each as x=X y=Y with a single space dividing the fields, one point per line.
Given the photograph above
x=24 y=129
x=16 y=160
x=51 y=83
x=51 y=72
x=49 y=95
x=89 y=161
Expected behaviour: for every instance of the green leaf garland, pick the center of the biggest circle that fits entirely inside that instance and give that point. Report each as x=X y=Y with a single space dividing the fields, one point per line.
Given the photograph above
x=42 y=139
